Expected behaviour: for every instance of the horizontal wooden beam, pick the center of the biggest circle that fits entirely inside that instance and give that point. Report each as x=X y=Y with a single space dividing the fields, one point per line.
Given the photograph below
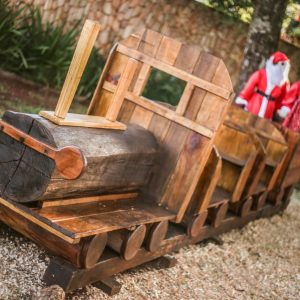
x=30 y=216
x=201 y=83
x=162 y=111
x=62 y=202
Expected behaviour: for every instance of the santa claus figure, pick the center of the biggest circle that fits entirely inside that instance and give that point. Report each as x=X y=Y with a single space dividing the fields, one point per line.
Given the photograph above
x=266 y=88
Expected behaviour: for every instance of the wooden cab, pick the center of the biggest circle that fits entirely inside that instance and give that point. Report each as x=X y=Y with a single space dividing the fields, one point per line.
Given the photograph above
x=185 y=133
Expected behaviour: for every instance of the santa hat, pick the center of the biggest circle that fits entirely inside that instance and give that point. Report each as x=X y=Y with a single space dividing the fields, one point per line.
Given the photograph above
x=278 y=57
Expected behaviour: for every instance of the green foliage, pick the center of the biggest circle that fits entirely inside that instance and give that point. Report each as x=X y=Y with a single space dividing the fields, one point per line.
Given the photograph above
x=238 y=9
x=243 y=9
x=41 y=52
x=164 y=87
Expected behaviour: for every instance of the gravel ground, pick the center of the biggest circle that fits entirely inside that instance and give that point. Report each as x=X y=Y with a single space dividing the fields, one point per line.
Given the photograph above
x=261 y=261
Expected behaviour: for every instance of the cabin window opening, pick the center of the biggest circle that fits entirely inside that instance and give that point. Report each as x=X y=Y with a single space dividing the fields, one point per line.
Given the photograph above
x=163 y=87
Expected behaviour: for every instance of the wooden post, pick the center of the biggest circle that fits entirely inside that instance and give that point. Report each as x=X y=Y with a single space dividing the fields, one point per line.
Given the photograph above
x=121 y=90
x=83 y=50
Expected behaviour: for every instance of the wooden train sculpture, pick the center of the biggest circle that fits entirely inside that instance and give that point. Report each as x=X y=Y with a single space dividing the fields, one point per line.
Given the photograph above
x=135 y=179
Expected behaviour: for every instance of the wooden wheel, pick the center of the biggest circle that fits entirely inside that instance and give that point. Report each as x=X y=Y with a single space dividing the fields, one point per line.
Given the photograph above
x=217 y=214
x=259 y=201
x=157 y=233
x=92 y=250
x=245 y=207
x=196 y=224
x=126 y=242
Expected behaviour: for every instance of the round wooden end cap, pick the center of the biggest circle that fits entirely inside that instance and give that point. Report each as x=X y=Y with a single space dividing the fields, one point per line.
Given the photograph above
x=156 y=235
x=133 y=242
x=93 y=249
x=196 y=224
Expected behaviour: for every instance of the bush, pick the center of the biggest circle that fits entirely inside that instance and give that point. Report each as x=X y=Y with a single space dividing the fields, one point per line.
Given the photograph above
x=41 y=52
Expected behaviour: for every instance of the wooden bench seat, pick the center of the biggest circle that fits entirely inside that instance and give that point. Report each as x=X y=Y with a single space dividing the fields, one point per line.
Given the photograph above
x=97 y=217
x=72 y=222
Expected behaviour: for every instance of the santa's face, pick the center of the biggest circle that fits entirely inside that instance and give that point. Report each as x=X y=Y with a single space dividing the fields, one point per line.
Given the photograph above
x=278 y=72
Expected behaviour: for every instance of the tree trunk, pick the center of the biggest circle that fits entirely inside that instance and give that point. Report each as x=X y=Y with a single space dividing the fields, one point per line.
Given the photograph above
x=263 y=36
x=117 y=161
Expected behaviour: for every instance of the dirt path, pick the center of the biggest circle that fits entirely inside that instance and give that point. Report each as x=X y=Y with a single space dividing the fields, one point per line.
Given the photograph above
x=261 y=261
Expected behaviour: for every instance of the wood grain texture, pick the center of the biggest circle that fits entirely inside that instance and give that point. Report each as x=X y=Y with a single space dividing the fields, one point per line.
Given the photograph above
x=126 y=242
x=82 y=52
x=79 y=120
x=70 y=278
x=69 y=161
x=128 y=155
x=121 y=89
x=97 y=217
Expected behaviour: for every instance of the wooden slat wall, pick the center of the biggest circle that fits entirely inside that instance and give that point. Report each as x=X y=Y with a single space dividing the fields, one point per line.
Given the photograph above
x=184 y=151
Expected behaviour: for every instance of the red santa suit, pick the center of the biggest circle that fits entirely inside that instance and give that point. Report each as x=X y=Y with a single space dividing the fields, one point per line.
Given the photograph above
x=292 y=99
x=266 y=88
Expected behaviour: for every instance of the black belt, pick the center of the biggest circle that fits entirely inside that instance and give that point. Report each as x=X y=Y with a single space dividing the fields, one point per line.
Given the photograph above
x=269 y=97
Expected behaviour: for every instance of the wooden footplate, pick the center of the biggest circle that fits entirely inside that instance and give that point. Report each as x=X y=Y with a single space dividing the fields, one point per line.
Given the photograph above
x=69 y=277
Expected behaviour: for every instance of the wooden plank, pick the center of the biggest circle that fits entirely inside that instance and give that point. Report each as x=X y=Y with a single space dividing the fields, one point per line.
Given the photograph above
x=141 y=80
x=203 y=84
x=126 y=111
x=82 y=52
x=185 y=52
x=103 y=76
x=93 y=218
x=168 y=50
x=159 y=126
x=189 y=171
x=162 y=111
x=102 y=99
x=121 y=89
x=205 y=68
x=240 y=186
x=208 y=181
x=78 y=120
x=211 y=110
x=185 y=99
x=32 y=217
x=149 y=43
x=62 y=202
x=171 y=150
x=70 y=278
x=141 y=117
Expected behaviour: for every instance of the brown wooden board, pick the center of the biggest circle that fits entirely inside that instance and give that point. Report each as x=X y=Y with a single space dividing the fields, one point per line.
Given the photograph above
x=69 y=278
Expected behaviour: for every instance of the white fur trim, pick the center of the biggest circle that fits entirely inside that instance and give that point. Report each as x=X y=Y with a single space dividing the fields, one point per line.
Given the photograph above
x=283 y=111
x=241 y=101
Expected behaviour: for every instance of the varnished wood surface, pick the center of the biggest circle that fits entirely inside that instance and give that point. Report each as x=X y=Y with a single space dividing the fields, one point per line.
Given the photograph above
x=79 y=120
x=94 y=218
x=81 y=200
x=200 y=112
x=70 y=278
x=82 y=52
x=156 y=233
x=127 y=242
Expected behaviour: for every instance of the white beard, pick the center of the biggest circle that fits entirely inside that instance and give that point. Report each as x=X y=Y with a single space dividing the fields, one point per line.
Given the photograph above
x=277 y=74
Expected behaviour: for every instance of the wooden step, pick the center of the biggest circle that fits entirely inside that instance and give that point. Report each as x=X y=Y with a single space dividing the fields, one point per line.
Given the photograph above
x=92 y=218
